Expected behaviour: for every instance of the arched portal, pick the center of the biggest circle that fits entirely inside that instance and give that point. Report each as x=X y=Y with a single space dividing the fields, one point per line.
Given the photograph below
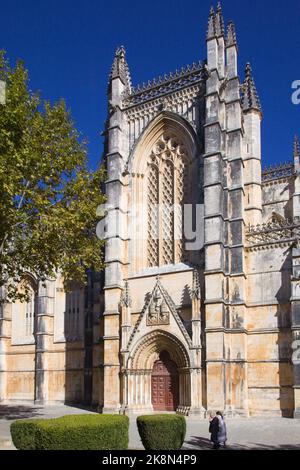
x=158 y=359
x=165 y=384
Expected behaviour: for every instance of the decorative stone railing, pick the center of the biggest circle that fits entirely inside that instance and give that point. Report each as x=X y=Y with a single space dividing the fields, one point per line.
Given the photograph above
x=284 y=170
x=166 y=84
x=273 y=232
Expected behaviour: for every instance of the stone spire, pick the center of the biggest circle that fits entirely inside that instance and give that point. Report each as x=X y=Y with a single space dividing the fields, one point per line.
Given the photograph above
x=296 y=150
x=250 y=99
x=296 y=147
x=120 y=68
x=211 y=33
x=231 y=34
x=219 y=21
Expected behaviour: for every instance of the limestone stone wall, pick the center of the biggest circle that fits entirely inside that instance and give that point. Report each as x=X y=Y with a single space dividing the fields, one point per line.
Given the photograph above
x=277 y=196
x=226 y=312
x=45 y=363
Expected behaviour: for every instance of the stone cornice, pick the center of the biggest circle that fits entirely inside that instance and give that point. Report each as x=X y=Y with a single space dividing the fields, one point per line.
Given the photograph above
x=283 y=171
x=270 y=245
x=260 y=331
x=281 y=232
x=154 y=106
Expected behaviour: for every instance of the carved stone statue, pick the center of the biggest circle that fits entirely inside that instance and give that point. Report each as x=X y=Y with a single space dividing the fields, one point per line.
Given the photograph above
x=158 y=313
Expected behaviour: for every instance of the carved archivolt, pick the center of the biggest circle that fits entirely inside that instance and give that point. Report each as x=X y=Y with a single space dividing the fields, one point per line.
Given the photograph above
x=151 y=345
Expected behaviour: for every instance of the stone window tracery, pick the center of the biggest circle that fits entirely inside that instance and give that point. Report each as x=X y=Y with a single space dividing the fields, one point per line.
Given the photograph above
x=29 y=313
x=153 y=215
x=168 y=179
x=23 y=313
x=74 y=313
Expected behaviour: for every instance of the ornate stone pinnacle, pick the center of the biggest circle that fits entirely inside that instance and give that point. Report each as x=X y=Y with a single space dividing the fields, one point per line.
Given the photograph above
x=196 y=288
x=120 y=52
x=125 y=296
x=120 y=67
x=296 y=147
x=248 y=71
x=250 y=99
x=219 y=21
x=231 y=34
x=211 y=33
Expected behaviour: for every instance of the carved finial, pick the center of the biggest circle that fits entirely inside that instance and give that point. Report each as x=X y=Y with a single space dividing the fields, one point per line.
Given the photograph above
x=231 y=34
x=296 y=152
x=219 y=21
x=296 y=147
x=248 y=71
x=250 y=99
x=125 y=300
x=196 y=288
x=211 y=32
x=120 y=68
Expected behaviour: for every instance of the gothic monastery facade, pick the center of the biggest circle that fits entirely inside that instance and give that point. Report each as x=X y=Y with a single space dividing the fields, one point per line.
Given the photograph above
x=176 y=323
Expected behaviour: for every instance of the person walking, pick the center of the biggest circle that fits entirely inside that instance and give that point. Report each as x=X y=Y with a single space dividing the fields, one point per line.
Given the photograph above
x=222 y=430
x=214 y=429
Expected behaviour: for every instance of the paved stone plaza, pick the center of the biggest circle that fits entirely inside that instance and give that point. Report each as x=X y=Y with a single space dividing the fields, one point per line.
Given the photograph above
x=243 y=434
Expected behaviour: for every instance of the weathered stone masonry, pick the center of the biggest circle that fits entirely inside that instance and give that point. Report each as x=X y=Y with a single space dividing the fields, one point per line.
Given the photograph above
x=167 y=327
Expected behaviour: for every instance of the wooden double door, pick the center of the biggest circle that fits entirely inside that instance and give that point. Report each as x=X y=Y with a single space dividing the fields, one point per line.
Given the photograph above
x=165 y=384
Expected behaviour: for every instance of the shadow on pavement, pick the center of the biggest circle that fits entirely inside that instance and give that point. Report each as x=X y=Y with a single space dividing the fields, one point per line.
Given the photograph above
x=12 y=412
x=200 y=443
x=77 y=406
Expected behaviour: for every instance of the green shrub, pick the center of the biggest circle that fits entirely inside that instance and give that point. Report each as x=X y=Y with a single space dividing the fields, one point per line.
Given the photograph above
x=73 y=432
x=23 y=433
x=162 y=432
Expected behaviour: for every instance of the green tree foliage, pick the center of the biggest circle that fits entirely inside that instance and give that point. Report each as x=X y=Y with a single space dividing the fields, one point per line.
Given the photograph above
x=48 y=195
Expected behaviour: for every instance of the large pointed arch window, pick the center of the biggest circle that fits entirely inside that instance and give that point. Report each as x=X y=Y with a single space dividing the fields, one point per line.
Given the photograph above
x=167 y=189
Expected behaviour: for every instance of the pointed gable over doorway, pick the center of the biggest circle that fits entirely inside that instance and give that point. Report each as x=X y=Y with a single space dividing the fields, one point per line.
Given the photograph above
x=159 y=311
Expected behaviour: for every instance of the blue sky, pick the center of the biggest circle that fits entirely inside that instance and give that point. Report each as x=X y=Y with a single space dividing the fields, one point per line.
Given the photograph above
x=68 y=47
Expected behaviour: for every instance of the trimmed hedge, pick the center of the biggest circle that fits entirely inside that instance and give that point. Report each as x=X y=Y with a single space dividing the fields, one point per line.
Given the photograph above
x=23 y=433
x=72 y=432
x=162 y=432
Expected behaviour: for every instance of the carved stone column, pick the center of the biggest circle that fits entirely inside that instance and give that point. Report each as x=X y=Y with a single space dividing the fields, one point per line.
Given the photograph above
x=196 y=396
x=44 y=339
x=295 y=317
x=125 y=306
x=5 y=337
